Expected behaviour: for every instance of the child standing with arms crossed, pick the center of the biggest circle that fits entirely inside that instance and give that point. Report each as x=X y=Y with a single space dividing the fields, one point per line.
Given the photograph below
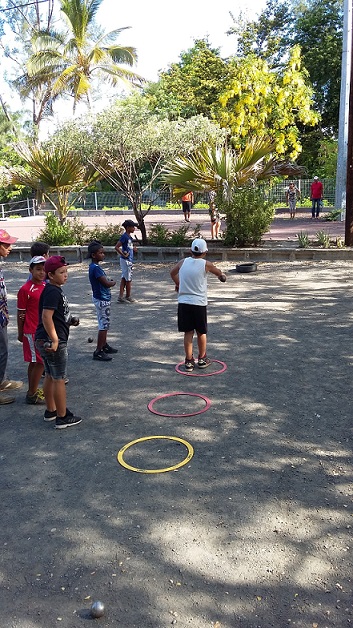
x=101 y=296
x=126 y=249
x=27 y=322
x=190 y=278
x=51 y=341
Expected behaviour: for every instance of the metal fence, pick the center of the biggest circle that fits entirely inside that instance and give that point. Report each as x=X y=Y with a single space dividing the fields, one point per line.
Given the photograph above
x=275 y=191
x=26 y=207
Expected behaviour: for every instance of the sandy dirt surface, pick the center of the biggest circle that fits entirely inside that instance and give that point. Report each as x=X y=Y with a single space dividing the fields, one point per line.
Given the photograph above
x=256 y=529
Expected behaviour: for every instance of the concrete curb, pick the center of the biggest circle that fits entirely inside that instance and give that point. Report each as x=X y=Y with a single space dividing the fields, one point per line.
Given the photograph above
x=219 y=253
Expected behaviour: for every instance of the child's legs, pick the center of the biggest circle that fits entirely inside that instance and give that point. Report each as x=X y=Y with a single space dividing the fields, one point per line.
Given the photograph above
x=188 y=338
x=128 y=288
x=103 y=318
x=35 y=366
x=202 y=344
x=59 y=394
x=101 y=339
x=122 y=287
x=35 y=372
x=49 y=393
x=55 y=372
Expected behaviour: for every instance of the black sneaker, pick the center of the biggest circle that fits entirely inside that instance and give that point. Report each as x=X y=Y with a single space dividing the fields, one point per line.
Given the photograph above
x=49 y=416
x=204 y=362
x=108 y=349
x=189 y=364
x=101 y=356
x=66 y=421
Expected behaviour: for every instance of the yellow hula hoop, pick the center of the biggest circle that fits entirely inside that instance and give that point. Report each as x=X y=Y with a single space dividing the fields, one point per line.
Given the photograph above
x=120 y=454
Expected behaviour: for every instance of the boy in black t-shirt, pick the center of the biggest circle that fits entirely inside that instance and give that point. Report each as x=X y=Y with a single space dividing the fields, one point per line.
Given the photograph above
x=51 y=341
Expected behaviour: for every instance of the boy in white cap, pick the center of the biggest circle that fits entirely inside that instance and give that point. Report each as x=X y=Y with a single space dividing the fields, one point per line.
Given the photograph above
x=190 y=278
x=27 y=322
x=6 y=242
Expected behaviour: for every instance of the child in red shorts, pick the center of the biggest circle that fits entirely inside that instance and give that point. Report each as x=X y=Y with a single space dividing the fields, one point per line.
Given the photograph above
x=27 y=323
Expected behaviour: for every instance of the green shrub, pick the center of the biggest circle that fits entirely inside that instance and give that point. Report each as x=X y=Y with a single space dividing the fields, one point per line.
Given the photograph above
x=159 y=235
x=323 y=239
x=333 y=215
x=248 y=216
x=303 y=240
x=55 y=233
x=108 y=235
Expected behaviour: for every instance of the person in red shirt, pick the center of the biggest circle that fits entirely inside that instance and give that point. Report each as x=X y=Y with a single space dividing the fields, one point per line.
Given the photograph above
x=27 y=323
x=186 y=202
x=316 y=195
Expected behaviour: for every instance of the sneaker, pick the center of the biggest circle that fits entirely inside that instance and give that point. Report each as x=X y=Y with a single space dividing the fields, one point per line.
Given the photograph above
x=108 y=349
x=121 y=300
x=66 y=421
x=189 y=364
x=49 y=415
x=101 y=356
x=130 y=300
x=66 y=380
x=10 y=384
x=37 y=398
x=4 y=399
x=204 y=362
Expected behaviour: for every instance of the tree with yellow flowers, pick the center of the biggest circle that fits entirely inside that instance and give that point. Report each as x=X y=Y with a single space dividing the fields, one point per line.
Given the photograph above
x=260 y=102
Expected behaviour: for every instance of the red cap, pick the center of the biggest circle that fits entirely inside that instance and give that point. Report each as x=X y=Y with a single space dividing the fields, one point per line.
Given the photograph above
x=5 y=237
x=53 y=263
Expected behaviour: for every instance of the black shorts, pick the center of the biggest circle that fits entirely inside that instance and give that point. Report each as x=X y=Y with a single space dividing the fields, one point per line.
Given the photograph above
x=192 y=317
x=186 y=205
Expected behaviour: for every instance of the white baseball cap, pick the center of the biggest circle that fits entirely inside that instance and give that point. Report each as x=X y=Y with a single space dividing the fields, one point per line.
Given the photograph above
x=316 y=178
x=199 y=246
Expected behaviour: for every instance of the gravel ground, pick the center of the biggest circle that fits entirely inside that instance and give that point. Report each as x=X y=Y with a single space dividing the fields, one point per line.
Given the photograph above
x=255 y=530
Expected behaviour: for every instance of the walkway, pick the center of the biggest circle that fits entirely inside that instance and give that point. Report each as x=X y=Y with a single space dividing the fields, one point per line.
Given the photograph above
x=282 y=228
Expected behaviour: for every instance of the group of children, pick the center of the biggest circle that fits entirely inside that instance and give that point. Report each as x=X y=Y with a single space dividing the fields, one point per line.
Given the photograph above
x=44 y=318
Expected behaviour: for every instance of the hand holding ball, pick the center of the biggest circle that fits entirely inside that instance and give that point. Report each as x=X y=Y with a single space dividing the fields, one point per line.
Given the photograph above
x=222 y=278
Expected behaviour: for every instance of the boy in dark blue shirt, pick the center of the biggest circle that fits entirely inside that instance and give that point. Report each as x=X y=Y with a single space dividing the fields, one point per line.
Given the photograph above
x=101 y=297
x=126 y=249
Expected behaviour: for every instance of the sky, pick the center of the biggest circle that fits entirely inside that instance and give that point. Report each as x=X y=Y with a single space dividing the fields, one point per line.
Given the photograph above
x=160 y=31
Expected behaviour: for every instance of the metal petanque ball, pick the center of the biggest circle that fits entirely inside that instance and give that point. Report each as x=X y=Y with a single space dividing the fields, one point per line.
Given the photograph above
x=90 y=339
x=97 y=610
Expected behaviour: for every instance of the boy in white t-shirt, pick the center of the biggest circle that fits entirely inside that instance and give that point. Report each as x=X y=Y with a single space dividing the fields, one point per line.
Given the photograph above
x=190 y=278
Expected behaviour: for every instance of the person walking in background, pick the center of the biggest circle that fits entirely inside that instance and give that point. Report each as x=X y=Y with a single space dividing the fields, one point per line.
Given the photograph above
x=27 y=322
x=187 y=202
x=292 y=194
x=5 y=384
x=316 y=196
x=101 y=296
x=126 y=249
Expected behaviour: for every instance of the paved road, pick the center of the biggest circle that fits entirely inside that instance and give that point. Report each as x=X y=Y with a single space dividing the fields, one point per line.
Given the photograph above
x=282 y=228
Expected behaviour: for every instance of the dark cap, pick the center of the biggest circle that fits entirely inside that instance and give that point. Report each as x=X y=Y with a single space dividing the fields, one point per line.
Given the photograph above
x=54 y=262
x=93 y=247
x=129 y=223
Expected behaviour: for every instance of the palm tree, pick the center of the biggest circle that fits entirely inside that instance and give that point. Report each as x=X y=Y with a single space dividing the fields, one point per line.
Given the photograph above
x=225 y=170
x=233 y=176
x=57 y=174
x=71 y=60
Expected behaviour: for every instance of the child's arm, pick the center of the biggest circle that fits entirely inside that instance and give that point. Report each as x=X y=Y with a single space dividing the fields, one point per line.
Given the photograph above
x=21 y=315
x=119 y=249
x=48 y=323
x=211 y=268
x=107 y=283
x=174 y=273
